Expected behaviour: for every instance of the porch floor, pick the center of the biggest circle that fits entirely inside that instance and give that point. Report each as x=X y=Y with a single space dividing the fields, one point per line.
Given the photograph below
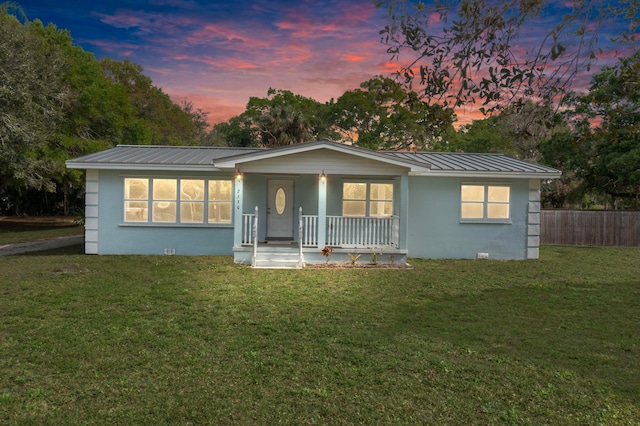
x=286 y=255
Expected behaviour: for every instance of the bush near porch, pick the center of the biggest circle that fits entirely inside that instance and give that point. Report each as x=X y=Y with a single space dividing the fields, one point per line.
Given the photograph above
x=199 y=340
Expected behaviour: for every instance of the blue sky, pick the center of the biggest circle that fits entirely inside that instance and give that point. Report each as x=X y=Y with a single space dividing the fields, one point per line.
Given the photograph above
x=217 y=54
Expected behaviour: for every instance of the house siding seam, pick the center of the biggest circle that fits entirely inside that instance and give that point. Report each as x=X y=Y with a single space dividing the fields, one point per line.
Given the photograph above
x=533 y=220
x=91 y=212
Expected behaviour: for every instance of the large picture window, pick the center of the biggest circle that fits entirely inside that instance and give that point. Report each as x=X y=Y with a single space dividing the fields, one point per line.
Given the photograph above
x=485 y=202
x=184 y=201
x=367 y=199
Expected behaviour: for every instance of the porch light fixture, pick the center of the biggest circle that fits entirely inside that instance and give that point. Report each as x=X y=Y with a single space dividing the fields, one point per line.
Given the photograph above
x=323 y=176
x=238 y=174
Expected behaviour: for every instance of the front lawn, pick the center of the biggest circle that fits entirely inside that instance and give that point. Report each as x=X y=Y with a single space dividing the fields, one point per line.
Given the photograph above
x=198 y=340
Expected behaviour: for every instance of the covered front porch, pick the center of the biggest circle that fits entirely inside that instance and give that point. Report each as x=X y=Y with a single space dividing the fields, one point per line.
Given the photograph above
x=346 y=240
x=303 y=198
x=318 y=233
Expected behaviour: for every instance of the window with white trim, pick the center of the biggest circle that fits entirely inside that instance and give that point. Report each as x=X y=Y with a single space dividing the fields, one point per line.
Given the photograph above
x=219 y=206
x=367 y=199
x=182 y=201
x=485 y=202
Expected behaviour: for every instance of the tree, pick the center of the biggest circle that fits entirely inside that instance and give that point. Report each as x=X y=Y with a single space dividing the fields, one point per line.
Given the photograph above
x=33 y=98
x=527 y=126
x=281 y=118
x=469 y=50
x=282 y=125
x=165 y=122
x=614 y=98
x=57 y=102
x=485 y=135
x=198 y=119
x=235 y=132
x=284 y=118
x=381 y=114
x=606 y=158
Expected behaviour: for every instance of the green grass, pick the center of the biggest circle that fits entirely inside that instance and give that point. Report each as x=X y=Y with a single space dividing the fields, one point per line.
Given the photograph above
x=198 y=340
x=19 y=230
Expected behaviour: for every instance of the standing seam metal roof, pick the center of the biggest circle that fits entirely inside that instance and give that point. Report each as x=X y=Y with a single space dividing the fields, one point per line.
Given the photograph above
x=162 y=155
x=205 y=156
x=464 y=162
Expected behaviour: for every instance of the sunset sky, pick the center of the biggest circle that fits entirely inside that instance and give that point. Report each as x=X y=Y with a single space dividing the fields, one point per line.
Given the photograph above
x=217 y=54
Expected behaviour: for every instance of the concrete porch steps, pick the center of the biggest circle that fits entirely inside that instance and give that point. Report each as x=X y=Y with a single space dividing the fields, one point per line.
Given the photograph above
x=277 y=257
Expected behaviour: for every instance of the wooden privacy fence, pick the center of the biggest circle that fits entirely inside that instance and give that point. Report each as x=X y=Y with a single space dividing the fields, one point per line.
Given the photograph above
x=590 y=227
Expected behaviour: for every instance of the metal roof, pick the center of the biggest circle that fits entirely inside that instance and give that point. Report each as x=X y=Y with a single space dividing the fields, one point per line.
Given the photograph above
x=145 y=157
x=453 y=162
x=317 y=145
x=157 y=157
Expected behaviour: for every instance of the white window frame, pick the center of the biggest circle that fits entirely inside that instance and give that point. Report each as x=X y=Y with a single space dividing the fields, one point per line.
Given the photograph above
x=178 y=201
x=486 y=203
x=367 y=200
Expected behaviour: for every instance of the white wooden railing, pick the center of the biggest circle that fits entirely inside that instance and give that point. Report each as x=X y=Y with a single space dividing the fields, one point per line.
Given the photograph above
x=345 y=231
x=249 y=221
x=342 y=231
x=308 y=235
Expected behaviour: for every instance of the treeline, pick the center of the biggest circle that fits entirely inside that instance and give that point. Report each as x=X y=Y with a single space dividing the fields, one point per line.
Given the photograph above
x=58 y=101
x=593 y=138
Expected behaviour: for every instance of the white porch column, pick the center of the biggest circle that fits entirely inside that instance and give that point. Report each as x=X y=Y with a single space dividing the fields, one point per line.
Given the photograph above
x=403 y=214
x=237 y=210
x=322 y=211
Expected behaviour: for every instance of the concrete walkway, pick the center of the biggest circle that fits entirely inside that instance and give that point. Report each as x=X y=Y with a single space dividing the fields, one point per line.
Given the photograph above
x=40 y=245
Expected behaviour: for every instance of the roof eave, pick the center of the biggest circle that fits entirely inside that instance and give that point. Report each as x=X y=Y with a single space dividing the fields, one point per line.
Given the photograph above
x=145 y=167
x=489 y=175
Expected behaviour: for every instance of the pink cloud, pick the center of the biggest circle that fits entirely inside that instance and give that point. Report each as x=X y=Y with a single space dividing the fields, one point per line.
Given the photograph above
x=229 y=37
x=355 y=58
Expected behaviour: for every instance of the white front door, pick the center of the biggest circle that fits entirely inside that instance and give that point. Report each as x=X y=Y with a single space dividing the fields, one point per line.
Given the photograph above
x=280 y=210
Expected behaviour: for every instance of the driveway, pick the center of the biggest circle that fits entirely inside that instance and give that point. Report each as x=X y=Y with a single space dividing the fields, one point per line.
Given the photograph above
x=40 y=245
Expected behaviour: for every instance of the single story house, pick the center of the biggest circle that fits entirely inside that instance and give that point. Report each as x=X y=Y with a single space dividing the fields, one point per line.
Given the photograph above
x=283 y=206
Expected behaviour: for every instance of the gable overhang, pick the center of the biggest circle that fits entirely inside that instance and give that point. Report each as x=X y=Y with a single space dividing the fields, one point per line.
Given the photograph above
x=232 y=163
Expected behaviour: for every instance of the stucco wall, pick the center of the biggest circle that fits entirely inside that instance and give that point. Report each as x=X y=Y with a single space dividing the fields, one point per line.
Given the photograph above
x=436 y=231
x=116 y=237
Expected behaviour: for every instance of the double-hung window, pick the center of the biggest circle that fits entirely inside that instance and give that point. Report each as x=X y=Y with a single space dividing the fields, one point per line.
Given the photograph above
x=485 y=202
x=177 y=201
x=367 y=199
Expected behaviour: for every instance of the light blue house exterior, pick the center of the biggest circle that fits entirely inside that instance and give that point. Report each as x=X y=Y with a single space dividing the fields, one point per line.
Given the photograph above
x=280 y=207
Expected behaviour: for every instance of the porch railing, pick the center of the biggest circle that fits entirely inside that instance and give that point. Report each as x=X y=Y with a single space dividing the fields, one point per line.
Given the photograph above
x=309 y=230
x=345 y=231
x=249 y=222
x=342 y=231
x=363 y=231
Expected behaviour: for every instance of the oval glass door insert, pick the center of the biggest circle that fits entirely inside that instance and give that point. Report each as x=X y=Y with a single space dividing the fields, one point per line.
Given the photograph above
x=281 y=201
